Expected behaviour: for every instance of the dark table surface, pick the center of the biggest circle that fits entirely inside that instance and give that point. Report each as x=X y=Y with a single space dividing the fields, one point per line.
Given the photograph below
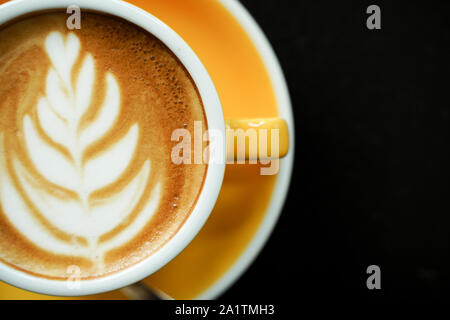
x=371 y=181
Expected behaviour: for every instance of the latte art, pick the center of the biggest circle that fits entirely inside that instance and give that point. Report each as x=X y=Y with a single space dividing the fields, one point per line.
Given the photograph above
x=83 y=179
x=59 y=114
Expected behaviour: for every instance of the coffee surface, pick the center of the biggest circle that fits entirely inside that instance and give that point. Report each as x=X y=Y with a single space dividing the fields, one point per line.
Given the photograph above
x=86 y=117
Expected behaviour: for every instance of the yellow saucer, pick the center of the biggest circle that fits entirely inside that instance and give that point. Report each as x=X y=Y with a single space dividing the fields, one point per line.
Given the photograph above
x=245 y=91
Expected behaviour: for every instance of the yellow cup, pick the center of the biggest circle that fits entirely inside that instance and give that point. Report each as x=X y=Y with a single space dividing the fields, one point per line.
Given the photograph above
x=256 y=139
x=244 y=124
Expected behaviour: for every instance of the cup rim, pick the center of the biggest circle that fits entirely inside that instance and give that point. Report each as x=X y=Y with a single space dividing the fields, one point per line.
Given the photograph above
x=215 y=171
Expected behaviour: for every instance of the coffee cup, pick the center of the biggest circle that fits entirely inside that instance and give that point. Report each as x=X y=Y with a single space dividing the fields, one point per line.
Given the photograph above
x=264 y=149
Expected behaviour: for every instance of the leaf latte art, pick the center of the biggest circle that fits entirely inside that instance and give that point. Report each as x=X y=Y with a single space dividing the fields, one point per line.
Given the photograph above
x=85 y=171
x=59 y=115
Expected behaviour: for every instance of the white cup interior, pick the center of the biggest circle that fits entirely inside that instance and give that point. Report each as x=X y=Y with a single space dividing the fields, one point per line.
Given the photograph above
x=215 y=171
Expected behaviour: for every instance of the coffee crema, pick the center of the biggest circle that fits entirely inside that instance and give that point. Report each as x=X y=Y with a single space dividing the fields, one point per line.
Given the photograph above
x=86 y=117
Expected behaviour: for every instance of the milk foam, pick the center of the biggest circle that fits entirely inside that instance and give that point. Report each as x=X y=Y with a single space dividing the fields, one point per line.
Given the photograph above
x=86 y=176
x=56 y=144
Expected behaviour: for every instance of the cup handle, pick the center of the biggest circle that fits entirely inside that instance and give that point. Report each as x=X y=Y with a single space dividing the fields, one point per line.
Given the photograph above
x=265 y=138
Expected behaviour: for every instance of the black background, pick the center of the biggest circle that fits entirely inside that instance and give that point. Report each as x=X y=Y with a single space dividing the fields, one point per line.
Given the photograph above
x=371 y=178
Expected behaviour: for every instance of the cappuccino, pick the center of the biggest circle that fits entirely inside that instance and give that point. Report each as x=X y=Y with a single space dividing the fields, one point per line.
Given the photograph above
x=86 y=117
